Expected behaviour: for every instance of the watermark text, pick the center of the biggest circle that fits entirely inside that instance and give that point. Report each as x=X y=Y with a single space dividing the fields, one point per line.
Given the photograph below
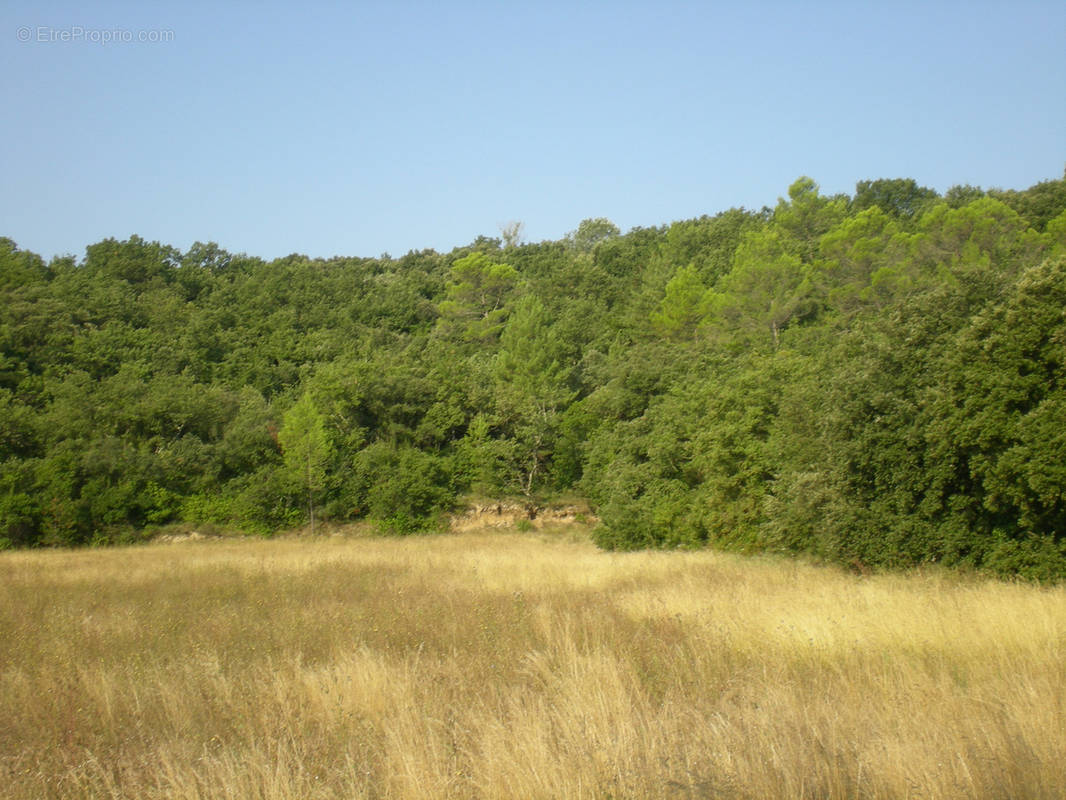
x=48 y=34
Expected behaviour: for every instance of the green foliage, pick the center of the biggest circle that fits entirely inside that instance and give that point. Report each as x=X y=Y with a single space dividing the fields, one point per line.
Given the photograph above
x=19 y=268
x=259 y=502
x=684 y=305
x=307 y=449
x=482 y=459
x=768 y=289
x=18 y=511
x=533 y=388
x=133 y=261
x=874 y=380
x=901 y=197
x=806 y=216
x=708 y=243
x=1039 y=204
x=402 y=488
x=476 y=296
x=997 y=415
x=591 y=232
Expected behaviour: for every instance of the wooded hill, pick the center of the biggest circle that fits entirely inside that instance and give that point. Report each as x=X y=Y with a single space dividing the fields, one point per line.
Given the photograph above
x=876 y=380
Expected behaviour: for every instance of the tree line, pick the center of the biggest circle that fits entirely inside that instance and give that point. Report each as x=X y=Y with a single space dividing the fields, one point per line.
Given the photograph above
x=873 y=379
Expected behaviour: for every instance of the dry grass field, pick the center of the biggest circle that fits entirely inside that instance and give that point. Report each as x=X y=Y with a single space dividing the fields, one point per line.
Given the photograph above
x=511 y=665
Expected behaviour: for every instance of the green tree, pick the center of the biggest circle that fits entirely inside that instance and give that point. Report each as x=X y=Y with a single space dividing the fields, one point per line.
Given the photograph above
x=134 y=260
x=476 y=296
x=18 y=268
x=708 y=243
x=806 y=215
x=861 y=247
x=997 y=451
x=902 y=198
x=532 y=388
x=767 y=290
x=591 y=232
x=1038 y=204
x=306 y=448
x=402 y=488
x=683 y=306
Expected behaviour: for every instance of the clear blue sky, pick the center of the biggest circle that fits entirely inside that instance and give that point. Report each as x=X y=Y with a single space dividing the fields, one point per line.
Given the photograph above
x=360 y=128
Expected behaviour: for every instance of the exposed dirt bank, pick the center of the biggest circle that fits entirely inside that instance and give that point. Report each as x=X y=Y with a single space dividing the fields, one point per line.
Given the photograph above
x=507 y=514
x=486 y=514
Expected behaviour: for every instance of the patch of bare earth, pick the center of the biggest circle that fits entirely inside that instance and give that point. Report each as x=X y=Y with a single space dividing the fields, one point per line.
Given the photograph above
x=508 y=514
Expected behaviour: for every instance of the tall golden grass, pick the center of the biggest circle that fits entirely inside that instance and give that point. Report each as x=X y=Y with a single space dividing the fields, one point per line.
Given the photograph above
x=518 y=666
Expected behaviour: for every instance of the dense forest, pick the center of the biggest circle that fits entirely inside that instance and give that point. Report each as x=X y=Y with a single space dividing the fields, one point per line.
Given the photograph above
x=875 y=380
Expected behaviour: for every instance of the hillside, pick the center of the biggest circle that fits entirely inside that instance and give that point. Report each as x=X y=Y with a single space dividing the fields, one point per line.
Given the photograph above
x=874 y=379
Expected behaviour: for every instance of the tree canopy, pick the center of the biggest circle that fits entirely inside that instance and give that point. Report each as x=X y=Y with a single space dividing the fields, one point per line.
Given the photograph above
x=874 y=379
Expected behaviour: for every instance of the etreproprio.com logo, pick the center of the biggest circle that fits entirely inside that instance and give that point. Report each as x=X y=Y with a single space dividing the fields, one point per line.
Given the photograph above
x=48 y=34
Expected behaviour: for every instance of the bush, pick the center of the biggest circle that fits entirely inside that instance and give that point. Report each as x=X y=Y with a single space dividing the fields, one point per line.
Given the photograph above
x=260 y=503
x=403 y=489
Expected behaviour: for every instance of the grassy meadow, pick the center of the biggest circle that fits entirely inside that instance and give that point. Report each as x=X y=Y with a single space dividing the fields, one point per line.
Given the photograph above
x=517 y=665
